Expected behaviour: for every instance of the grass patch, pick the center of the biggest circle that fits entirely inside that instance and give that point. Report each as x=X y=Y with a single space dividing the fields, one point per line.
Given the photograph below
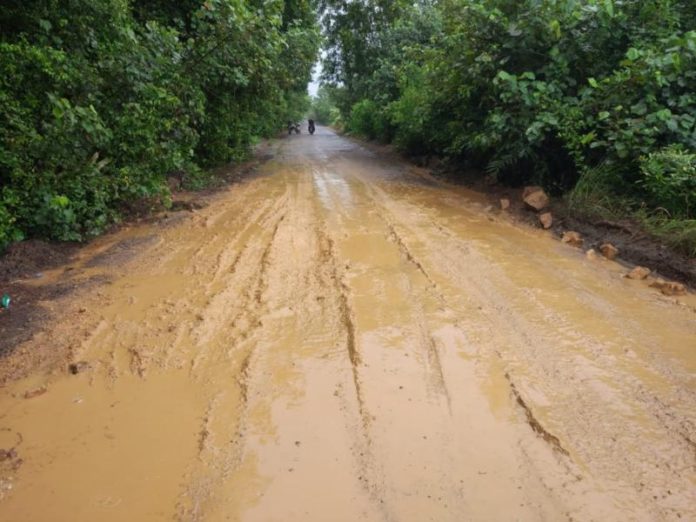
x=680 y=234
x=595 y=198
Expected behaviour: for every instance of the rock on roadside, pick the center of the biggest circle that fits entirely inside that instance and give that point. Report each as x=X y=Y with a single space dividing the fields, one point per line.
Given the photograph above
x=638 y=273
x=572 y=238
x=535 y=197
x=669 y=287
x=546 y=220
x=609 y=251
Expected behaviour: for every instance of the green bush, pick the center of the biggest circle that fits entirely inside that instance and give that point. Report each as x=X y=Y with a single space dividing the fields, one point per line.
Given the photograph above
x=101 y=99
x=9 y=232
x=669 y=177
x=363 y=119
x=411 y=114
x=594 y=99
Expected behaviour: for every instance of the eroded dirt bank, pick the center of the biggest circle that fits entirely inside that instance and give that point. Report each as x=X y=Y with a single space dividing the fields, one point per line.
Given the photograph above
x=342 y=338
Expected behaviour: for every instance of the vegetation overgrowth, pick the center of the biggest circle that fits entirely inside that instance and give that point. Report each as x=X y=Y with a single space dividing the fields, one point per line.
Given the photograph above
x=594 y=99
x=101 y=100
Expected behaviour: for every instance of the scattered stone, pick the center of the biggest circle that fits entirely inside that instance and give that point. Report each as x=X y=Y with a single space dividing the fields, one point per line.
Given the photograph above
x=79 y=367
x=30 y=394
x=609 y=251
x=504 y=203
x=669 y=288
x=572 y=238
x=535 y=197
x=546 y=220
x=591 y=254
x=638 y=273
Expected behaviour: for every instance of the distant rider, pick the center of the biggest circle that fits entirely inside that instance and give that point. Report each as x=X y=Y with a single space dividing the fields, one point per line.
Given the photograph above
x=311 y=127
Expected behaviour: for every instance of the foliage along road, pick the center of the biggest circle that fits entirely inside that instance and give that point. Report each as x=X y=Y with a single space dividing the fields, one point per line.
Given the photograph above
x=341 y=337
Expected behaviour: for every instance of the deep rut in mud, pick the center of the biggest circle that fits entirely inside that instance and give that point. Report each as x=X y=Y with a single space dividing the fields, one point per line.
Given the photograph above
x=341 y=337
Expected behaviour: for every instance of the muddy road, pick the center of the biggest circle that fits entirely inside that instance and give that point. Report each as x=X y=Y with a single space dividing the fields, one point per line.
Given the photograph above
x=343 y=338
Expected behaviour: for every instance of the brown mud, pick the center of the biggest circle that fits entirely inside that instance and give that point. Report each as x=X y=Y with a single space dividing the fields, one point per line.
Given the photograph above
x=344 y=337
x=35 y=302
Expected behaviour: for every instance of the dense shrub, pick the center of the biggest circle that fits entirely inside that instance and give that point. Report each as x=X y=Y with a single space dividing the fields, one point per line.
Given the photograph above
x=669 y=177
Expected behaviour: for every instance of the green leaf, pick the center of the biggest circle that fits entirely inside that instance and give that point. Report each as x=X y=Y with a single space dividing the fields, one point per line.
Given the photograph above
x=555 y=27
x=609 y=7
x=45 y=25
x=593 y=82
x=664 y=115
x=587 y=138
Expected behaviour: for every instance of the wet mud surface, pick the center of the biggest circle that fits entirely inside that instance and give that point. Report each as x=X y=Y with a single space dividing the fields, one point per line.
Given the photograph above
x=342 y=337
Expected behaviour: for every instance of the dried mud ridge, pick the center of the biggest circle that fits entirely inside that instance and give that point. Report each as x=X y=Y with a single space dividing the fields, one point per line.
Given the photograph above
x=342 y=337
x=551 y=439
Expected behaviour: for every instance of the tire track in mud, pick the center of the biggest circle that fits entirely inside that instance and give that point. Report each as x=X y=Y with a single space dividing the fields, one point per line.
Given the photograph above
x=226 y=353
x=530 y=340
x=534 y=423
x=426 y=339
x=537 y=429
x=371 y=477
x=236 y=217
x=142 y=342
x=318 y=270
x=247 y=297
x=328 y=257
x=387 y=217
x=433 y=353
x=421 y=291
x=217 y=462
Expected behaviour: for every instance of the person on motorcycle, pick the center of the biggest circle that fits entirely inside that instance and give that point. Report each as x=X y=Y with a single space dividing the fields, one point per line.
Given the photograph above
x=311 y=127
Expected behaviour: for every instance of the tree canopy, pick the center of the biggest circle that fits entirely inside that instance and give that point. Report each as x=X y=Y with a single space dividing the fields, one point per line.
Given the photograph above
x=588 y=94
x=101 y=99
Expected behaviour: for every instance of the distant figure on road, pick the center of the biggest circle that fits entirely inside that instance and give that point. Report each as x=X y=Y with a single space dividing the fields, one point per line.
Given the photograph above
x=311 y=126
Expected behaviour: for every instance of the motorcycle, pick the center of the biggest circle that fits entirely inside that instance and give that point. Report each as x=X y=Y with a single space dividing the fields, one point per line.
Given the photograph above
x=311 y=127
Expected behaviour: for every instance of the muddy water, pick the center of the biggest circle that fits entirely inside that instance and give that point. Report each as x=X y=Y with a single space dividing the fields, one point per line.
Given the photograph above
x=342 y=338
